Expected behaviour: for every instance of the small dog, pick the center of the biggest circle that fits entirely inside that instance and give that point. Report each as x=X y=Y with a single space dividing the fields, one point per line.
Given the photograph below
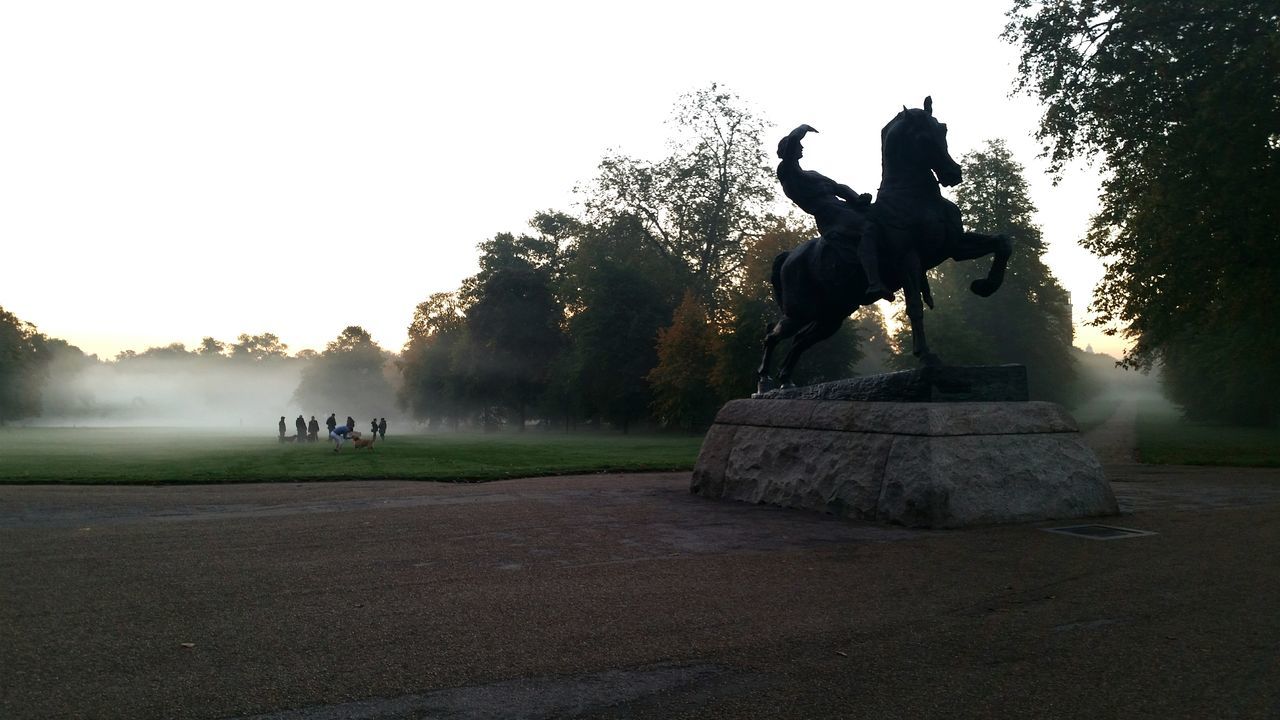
x=362 y=443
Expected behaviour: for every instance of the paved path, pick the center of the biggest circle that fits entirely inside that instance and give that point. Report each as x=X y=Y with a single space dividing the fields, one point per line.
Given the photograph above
x=1115 y=440
x=625 y=596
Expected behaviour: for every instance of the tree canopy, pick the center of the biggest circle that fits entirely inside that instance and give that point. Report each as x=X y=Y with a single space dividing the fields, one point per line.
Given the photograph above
x=700 y=204
x=24 y=358
x=1178 y=102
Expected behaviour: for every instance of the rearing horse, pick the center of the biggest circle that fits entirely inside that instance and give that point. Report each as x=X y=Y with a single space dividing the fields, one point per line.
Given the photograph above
x=914 y=228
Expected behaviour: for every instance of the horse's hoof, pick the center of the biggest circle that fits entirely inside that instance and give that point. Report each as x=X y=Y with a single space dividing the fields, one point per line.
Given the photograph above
x=983 y=287
x=786 y=385
x=765 y=385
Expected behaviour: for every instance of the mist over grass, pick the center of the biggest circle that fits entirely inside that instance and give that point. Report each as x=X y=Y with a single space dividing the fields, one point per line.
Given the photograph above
x=174 y=455
x=217 y=393
x=195 y=392
x=1103 y=387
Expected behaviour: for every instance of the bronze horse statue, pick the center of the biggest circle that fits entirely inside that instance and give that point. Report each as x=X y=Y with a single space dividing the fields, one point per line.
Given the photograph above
x=909 y=229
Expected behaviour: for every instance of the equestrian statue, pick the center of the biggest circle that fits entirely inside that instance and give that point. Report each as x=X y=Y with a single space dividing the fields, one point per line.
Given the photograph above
x=866 y=251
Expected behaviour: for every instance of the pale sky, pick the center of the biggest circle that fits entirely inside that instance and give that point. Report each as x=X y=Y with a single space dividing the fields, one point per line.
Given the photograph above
x=171 y=170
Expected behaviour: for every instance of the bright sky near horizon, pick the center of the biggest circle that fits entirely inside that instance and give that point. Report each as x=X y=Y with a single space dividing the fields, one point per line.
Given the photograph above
x=175 y=170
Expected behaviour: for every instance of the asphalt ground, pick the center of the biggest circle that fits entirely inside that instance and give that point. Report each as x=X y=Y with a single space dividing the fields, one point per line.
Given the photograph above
x=623 y=596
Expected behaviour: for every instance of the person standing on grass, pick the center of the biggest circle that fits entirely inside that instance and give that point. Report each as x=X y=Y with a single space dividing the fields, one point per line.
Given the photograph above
x=301 y=426
x=351 y=423
x=313 y=430
x=338 y=435
x=382 y=428
x=332 y=422
x=373 y=428
x=281 y=426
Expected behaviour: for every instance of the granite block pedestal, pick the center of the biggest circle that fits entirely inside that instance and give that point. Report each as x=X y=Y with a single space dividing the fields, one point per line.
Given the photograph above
x=922 y=464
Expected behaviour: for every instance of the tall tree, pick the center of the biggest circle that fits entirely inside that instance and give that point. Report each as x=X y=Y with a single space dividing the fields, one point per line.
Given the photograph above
x=620 y=299
x=514 y=324
x=1029 y=320
x=1178 y=101
x=258 y=347
x=698 y=205
x=211 y=347
x=348 y=377
x=23 y=363
x=683 y=397
x=433 y=381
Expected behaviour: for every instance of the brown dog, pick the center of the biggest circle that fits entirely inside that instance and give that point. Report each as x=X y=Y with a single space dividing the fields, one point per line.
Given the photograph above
x=362 y=443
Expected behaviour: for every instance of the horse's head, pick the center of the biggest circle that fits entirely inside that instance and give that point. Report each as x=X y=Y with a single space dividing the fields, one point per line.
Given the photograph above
x=915 y=140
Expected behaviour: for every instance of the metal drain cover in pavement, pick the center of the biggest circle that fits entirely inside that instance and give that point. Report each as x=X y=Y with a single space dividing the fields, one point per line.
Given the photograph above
x=1099 y=532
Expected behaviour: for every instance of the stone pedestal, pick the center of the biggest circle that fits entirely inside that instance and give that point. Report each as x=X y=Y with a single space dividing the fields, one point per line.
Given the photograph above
x=921 y=464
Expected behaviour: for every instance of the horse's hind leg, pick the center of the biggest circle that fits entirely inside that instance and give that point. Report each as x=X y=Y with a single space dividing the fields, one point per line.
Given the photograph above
x=912 y=286
x=784 y=328
x=974 y=245
x=811 y=334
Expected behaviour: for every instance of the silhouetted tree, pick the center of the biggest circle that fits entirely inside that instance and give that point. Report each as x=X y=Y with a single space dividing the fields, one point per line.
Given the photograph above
x=683 y=396
x=1177 y=99
x=513 y=322
x=698 y=205
x=349 y=374
x=620 y=297
x=210 y=347
x=24 y=359
x=433 y=387
x=258 y=347
x=876 y=346
x=172 y=351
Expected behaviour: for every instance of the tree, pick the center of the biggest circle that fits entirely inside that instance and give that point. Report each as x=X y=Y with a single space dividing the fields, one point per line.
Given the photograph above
x=433 y=384
x=514 y=334
x=210 y=347
x=172 y=351
x=876 y=345
x=615 y=286
x=23 y=364
x=700 y=204
x=1029 y=320
x=1177 y=100
x=258 y=347
x=348 y=374
x=683 y=397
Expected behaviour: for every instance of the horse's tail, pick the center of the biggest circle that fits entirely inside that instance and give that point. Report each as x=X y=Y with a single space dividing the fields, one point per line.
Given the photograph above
x=776 y=276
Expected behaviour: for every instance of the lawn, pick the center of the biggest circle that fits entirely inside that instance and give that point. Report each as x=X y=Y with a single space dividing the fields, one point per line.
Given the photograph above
x=118 y=455
x=1164 y=438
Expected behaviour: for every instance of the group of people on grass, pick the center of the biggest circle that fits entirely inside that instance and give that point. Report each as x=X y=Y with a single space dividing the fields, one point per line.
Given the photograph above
x=310 y=431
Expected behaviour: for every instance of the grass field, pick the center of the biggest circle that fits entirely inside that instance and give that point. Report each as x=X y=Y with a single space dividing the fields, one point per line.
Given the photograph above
x=1164 y=438
x=144 y=456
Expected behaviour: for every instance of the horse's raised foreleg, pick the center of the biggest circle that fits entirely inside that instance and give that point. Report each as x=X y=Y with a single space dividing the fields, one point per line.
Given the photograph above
x=975 y=245
x=781 y=330
x=912 y=287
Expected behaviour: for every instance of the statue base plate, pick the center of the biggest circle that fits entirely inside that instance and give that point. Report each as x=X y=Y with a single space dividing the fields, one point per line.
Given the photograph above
x=940 y=465
x=944 y=383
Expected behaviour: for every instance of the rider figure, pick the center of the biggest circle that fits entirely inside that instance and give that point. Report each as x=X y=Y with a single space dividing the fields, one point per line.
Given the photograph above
x=841 y=213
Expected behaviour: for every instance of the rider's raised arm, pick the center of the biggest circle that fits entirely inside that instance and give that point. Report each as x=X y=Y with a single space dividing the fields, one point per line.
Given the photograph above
x=849 y=195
